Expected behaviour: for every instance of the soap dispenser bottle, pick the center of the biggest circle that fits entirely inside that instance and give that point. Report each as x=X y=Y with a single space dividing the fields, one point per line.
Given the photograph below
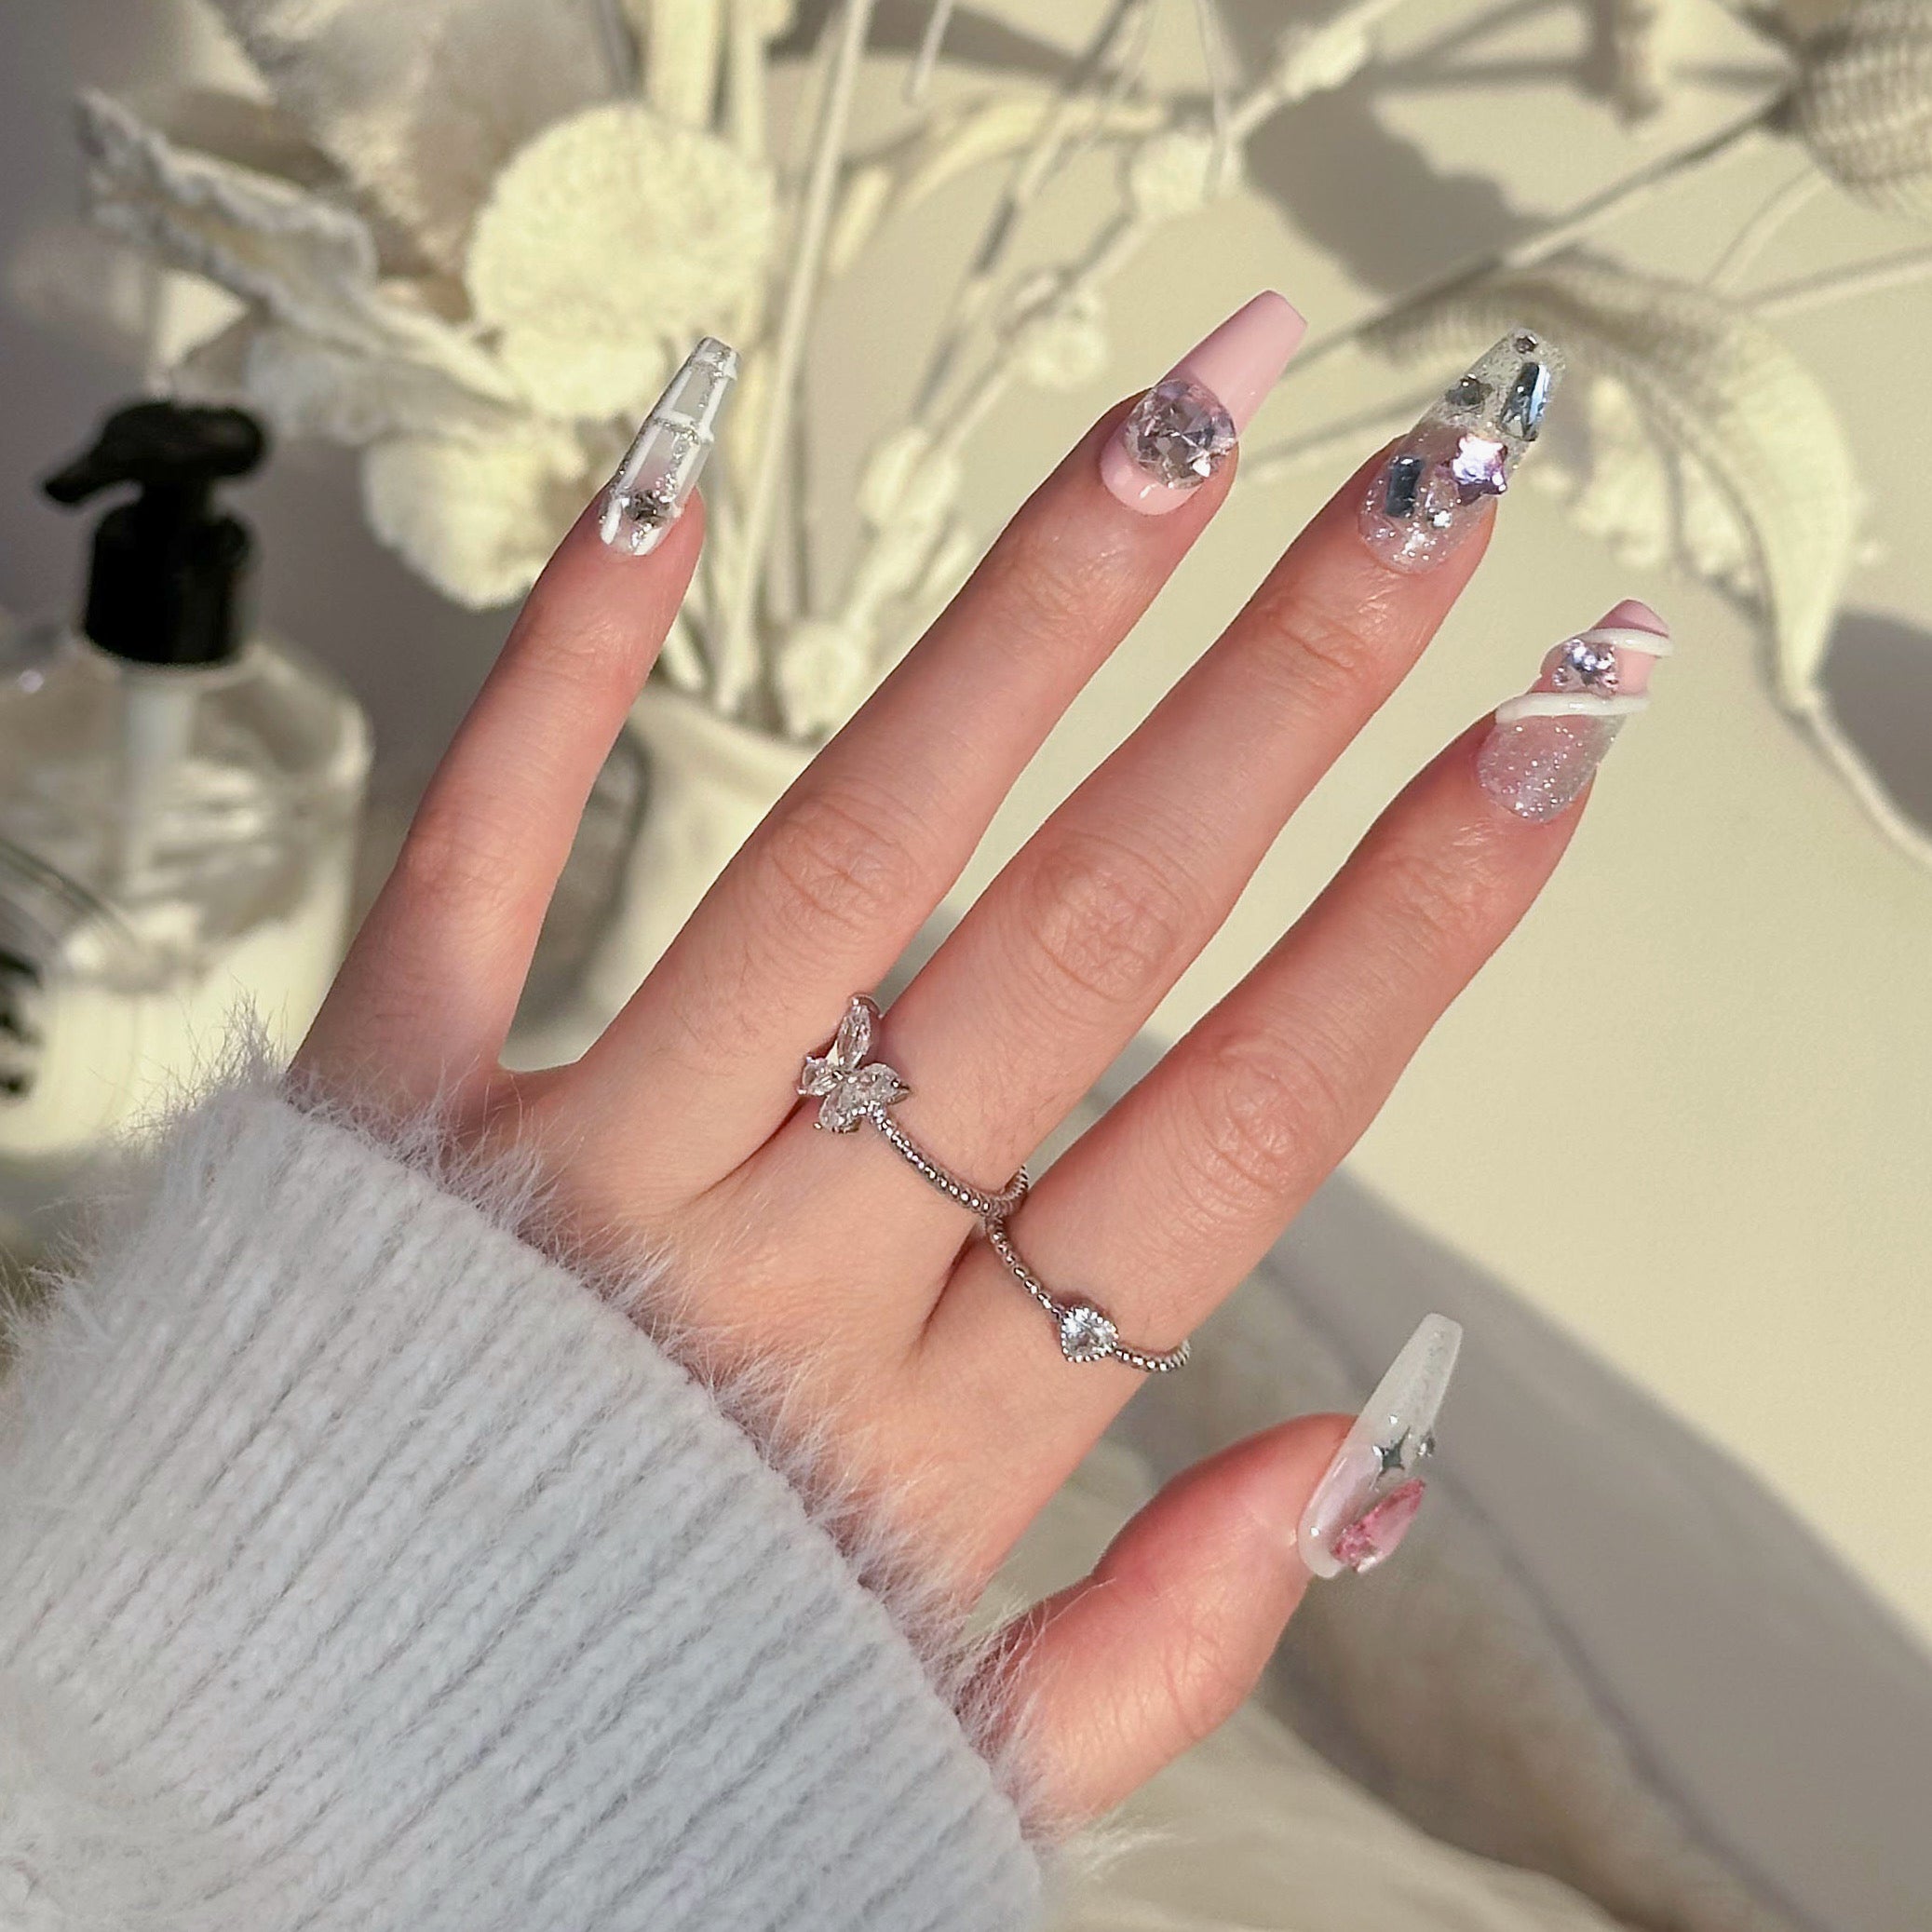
x=179 y=801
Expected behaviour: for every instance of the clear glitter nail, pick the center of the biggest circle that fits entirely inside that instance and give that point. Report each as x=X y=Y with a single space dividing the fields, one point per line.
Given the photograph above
x=1428 y=496
x=660 y=474
x=1539 y=767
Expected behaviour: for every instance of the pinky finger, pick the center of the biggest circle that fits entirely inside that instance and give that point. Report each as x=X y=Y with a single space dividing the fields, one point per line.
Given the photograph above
x=1114 y=1677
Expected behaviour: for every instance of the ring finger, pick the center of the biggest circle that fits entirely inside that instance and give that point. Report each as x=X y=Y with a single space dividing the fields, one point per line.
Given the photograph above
x=1163 y=1206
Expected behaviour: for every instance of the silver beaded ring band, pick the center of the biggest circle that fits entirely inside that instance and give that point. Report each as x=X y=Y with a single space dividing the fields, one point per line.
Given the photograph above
x=1086 y=1333
x=854 y=1089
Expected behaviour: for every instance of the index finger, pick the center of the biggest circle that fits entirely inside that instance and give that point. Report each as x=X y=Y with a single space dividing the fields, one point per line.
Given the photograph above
x=424 y=1002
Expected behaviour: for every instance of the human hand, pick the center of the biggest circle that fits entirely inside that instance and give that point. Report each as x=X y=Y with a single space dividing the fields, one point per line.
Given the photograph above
x=946 y=1392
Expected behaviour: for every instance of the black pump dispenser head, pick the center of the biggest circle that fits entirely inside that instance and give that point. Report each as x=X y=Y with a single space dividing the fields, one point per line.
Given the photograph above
x=169 y=579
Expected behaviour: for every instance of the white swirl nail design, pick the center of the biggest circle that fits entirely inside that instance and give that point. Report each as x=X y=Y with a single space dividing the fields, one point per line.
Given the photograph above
x=1546 y=745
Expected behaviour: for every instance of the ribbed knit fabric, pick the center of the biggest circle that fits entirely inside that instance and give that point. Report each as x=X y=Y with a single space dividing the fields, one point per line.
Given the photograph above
x=361 y=1568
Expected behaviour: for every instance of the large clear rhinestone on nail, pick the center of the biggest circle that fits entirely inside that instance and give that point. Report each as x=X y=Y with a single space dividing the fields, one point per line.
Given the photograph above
x=1085 y=1335
x=1582 y=666
x=1179 y=434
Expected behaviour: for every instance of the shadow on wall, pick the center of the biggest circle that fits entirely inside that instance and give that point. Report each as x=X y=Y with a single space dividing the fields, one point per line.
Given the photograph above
x=1879 y=679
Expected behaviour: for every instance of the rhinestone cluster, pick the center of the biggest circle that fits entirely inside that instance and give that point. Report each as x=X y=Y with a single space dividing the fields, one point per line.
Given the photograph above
x=1462 y=452
x=1578 y=665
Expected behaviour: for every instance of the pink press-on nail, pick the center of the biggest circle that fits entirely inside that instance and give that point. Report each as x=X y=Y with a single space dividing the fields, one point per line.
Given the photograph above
x=1546 y=746
x=1369 y=1494
x=1180 y=432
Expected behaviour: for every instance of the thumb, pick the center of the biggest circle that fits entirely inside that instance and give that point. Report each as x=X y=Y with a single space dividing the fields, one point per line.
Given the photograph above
x=1119 y=1673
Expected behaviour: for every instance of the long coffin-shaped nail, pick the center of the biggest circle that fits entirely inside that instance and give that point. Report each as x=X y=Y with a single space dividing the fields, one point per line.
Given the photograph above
x=655 y=480
x=1184 y=429
x=1369 y=1494
x=1545 y=747
x=1429 y=492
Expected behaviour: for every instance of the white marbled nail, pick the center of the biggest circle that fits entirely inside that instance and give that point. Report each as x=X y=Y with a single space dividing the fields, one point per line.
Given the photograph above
x=1369 y=1494
x=655 y=480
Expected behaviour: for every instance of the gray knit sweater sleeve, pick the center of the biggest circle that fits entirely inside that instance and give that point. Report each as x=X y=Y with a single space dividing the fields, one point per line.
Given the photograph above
x=361 y=1568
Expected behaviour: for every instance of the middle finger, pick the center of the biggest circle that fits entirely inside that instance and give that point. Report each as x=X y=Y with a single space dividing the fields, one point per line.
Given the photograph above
x=1063 y=959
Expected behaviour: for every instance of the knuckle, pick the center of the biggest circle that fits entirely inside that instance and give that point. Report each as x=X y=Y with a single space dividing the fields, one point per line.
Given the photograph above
x=1331 y=653
x=1436 y=893
x=1267 y=1115
x=457 y=864
x=831 y=867
x=1202 y=1681
x=1050 y=591
x=1100 y=920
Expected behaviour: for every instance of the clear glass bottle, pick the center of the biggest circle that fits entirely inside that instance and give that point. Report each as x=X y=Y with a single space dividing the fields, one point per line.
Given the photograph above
x=179 y=802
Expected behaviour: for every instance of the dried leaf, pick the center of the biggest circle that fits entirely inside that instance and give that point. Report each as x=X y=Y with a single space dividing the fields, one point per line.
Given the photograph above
x=419 y=105
x=307 y=261
x=307 y=386
x=302 y=261
x=1745 y=474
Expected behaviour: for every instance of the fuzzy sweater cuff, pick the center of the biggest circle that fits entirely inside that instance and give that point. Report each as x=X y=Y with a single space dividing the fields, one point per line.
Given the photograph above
x=360 y=1567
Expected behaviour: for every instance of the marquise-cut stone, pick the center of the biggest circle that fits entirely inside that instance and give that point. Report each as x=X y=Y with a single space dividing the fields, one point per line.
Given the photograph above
x=1179 y=434
x=1523 y=408
x=1085 y=1335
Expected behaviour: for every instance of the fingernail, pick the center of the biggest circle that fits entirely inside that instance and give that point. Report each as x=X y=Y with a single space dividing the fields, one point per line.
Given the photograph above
x=1430 y=493
x=1182 y=431
x=1546 y=746
x=654 y=481
x=1367 y=1497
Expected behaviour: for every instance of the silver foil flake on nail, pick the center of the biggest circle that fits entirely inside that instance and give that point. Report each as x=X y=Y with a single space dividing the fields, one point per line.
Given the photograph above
x=1427 y=497
x=1402 y=485
x=660 y=474
x=1179 y=434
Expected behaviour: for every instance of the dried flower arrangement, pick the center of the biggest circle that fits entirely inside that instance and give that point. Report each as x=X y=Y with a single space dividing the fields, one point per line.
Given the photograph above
x=509 y=218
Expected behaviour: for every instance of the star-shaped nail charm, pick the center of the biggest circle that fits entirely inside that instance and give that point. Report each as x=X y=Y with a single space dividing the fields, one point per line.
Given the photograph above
x=849 y=1087
x=1393 y=1455
x=1480 y=466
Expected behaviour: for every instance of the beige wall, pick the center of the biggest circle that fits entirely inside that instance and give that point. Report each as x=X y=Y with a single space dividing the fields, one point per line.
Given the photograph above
x=1688 y=1111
